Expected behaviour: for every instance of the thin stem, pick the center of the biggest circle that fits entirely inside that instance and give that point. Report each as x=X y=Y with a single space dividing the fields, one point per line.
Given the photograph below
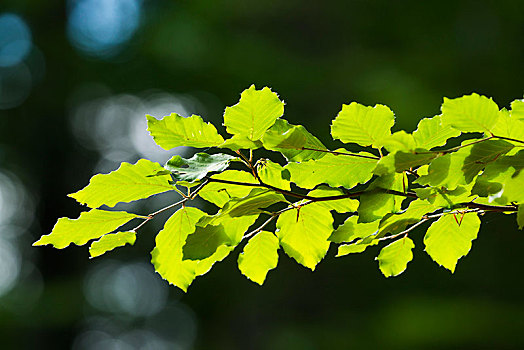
x=340 y=153
x=450 y=150
x=507 y=138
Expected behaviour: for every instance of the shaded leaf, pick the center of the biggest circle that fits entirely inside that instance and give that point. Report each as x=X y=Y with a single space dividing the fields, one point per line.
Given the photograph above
x=398 y=222
x=351 y=230
x=205 y=241
x=219 y=193
x=240 y=142
x=374 y=204
x=259 y=256
x=520 y=216
x=363 y=125
x=175 y=130
x=198 y=166
x=253 y=203
x=256 y=111
x=394 y=258
x=90 y=225
x=111 y=241
x=446 y=241
x=345 y=205
x=128 y=183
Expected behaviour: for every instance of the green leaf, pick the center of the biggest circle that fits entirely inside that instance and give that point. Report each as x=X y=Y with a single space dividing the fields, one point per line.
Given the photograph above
x=514 y=188
x=219 y=193
x=351 y=230
x=259 y=256
x=175 y=130
x=517 y=109
x=431 y=133
x=471 y=113
x=241 y=142
x=253 y=203
x=273 y=174
x=334 y=170
x=353 y=248
x=304 y=234
x=375 y=204
x=520 y=216
x=363 y=125
x=509 y=126
x=293 y=141
x=128 y=183
x=345 y=205
x=197 y=166
x=481 y=155
x=234 y=227
x=398 y=222
x=442 y=197
x=90 y=225
x=256 y=111
x=394 y=258
x=446 y=241
x=111 y=241
x=400 y=161
x=205 y=241
x=400 y=141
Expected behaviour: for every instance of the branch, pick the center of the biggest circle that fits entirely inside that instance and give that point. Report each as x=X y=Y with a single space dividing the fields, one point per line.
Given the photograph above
x=451 y=150
x=339 y=153
x=507 y=138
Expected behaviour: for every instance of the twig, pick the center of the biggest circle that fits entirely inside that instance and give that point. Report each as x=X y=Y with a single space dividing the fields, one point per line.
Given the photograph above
x=506 y=138
x=339 y=153
x=450 y=150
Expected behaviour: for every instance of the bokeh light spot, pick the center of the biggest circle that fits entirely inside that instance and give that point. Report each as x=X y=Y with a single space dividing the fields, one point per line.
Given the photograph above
x=15 y=40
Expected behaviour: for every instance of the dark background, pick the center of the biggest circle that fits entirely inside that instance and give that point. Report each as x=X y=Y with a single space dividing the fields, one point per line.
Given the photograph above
x=77 y=78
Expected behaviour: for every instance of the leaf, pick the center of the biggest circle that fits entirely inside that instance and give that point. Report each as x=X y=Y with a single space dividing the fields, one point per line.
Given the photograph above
x=351 y=230
x=353 y=248
x=517 y=109
x=175 y=130
x=482 y=154
x=442 y=197
x=205 y=241
x=259 y=256
x=111 y=241
x=363 y=125
x=345 y=205
x=375 y=204
x=253 y=203
x=273 y=174
x=167 y=254
x=304 y=234
x=509 y=126
x=394 y=258
x=128 y=183
x=514 y=188
x=256 y=111
x=400 y=161
x=197 y=166
x=446 y=241
x=220 y=193
x=470 y=113
x=396 y=223
x=334 y=170
x=240 y=142
x=446 y=171
x=90 y=225
x=400 y=141
x=293 y=142
x=431 y=133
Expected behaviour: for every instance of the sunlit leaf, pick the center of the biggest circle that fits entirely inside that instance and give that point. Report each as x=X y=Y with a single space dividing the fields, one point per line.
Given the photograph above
x=111 y=241
x=334 y=170
x=253 y=203
x=273 y=174
x=197 y=166
x=398 y=222
x=449 y=238
x=256 y=111
x=509 y=126
x=293 y=141
x=394 y=258
x=259 y=256
x=90 y=225
x=375 y=203
x=304 y=234
x=481 y=154
x=399 y=141
x=128 y=183
x=517 y=109
x=175 y=130
x=351 y=230
x=363 y=125
x=220 y=193
x=470 y=113
x=357 y=247
x=240 y=142
x=431 y=133
x=345 y=205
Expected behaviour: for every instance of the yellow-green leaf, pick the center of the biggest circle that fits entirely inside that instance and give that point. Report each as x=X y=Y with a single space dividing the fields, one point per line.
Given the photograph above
x=256 y=111
x=220 y=193
x=259 y=256
x=470 y=113
x=111 y=241
x=449 y=238
x=431 y=133
x=351 y=230
x=128 y=183
x=90 y=225
x=175 y=130
x=394 y=258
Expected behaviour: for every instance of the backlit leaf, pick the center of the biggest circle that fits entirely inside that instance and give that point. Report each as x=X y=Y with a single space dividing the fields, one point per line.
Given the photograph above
x=449 y=238
x=345 y=205
x=273 y=174
x=90 y=225
x=517 y=109
x=357 y=247
x=431 y=133
x=304 y=234
x=175 y=130
x=363 y=125
x=205 y=241
x=375 y=203
x=219 y=193
x=470 y=113
x=111 y=241
x=394 y=258
x=334 y=170
x=351 y=230
x=259 y=256
x=128 y=183
x=197 y=166
x=256 y=111
x=509 y=126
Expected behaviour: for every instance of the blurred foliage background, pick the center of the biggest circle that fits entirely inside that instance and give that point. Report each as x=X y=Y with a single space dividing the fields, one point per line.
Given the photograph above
x=77 y=78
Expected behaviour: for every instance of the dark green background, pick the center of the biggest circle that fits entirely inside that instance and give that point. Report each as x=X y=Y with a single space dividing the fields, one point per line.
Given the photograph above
x=317 y=56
